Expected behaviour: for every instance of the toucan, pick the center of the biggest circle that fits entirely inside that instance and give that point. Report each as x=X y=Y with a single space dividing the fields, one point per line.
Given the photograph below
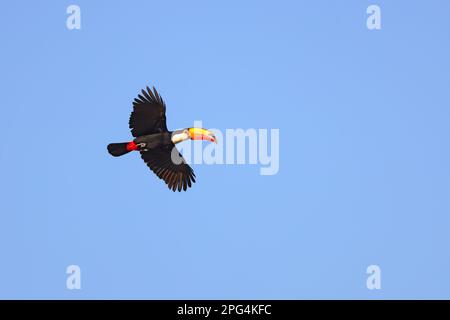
x=156 y=143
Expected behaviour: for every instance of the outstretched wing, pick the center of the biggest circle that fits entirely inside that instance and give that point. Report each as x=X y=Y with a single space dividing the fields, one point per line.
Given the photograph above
x=149 y=114
x=177 y=175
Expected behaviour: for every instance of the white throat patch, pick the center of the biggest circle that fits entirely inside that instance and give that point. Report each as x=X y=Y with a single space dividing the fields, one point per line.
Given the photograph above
x=179 y=137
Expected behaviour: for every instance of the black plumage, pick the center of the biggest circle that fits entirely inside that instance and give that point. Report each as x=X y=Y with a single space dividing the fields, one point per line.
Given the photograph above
x=148 y=126
x=149 y=114
x=177 y=176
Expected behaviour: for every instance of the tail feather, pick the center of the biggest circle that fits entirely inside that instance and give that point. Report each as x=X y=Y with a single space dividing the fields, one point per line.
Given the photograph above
x=118 y=149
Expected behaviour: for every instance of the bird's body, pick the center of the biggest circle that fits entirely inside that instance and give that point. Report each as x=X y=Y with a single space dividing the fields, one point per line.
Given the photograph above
x=156 y=143
x=154 y=140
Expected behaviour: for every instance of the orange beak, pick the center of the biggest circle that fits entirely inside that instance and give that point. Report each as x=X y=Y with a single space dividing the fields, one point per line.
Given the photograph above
x=202 y=134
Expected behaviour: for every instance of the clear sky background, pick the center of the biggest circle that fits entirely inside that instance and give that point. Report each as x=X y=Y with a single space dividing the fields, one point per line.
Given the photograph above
x=364 y=150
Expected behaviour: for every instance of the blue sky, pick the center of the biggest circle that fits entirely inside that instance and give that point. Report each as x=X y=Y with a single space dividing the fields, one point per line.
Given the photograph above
x=364 y=158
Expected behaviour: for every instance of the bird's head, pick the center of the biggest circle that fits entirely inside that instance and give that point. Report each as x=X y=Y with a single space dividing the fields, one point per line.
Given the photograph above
x=193 y=134
x=201 y=134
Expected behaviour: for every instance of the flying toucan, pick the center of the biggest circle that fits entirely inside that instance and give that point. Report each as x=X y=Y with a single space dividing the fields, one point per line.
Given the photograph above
x=156 y=143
